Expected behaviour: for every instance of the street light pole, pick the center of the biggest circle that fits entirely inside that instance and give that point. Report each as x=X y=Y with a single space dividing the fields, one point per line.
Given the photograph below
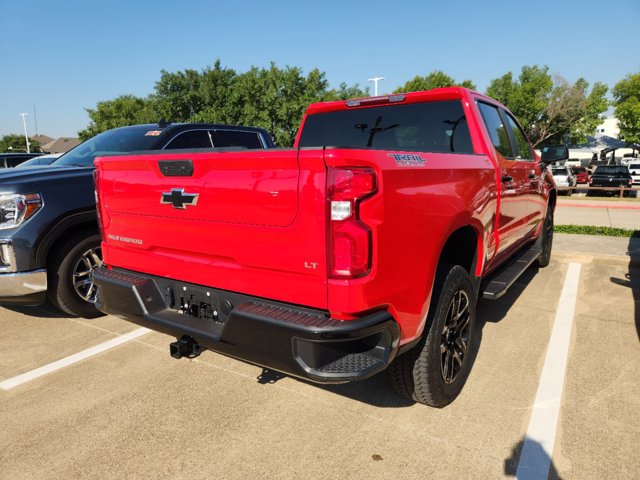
x=375 y=81
x=24 y=124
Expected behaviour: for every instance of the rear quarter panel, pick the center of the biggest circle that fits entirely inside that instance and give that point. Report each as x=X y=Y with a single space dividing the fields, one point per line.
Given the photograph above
x=411 y=217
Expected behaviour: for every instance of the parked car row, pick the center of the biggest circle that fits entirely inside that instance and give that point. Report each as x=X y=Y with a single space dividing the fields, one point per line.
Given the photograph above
x=603 y=176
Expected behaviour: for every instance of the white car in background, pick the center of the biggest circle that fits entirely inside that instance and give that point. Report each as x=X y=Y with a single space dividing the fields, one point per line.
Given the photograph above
x=564 y=178
x=634 y=170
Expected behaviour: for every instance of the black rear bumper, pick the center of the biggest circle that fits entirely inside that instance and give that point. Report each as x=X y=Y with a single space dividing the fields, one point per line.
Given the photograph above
x=291 y=339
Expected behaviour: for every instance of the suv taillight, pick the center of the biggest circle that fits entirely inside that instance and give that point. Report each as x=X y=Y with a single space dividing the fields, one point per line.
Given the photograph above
x=349 y=238
x=96 y=183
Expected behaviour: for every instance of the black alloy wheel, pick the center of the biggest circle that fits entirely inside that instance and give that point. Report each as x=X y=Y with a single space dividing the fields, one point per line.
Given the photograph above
x=455 y=337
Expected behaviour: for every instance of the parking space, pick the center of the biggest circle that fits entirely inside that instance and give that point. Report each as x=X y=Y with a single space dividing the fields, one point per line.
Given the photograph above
x=134 y=412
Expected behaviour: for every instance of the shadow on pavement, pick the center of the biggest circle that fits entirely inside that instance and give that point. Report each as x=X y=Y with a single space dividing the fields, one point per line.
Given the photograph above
x=46 y=310
x=493 y=311
x=535 y=464
x=632 y=278
x=378 y=390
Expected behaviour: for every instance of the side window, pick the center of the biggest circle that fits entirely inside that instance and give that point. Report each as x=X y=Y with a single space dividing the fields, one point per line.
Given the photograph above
x=230 y=138
x=496 y=129
x=524 y=151
x=192 y=139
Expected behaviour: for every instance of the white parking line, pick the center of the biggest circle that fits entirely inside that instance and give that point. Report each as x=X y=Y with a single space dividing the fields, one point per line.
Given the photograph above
x=70 y=360
x=535 y=457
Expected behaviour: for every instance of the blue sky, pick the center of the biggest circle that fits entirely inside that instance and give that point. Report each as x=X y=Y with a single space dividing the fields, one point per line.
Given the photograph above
x=66 y=56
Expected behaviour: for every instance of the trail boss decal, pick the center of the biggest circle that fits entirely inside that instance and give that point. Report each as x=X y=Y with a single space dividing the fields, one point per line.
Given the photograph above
x=406 y=160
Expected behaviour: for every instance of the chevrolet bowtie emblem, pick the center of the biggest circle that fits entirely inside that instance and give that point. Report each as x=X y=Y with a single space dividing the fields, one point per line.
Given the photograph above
x=178 y=198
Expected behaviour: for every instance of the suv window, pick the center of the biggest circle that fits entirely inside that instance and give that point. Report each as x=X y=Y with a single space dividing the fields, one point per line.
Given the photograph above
x=191 y=139
x=523 y=148
x=126 y=139
x=423 y=127
x=234 y=138
x=496 y=129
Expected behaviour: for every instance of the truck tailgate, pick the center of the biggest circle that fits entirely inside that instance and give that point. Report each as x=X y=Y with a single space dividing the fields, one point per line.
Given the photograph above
x=252 y=222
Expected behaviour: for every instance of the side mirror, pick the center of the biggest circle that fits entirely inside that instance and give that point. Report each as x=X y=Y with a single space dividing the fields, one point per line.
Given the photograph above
x=553 y=153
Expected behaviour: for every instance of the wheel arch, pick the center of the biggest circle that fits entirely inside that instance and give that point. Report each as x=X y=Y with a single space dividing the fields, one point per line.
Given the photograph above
x=64 y=228
x=463 y=247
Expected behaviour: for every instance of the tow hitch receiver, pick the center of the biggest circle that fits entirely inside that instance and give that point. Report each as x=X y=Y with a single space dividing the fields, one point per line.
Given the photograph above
x=185 y=347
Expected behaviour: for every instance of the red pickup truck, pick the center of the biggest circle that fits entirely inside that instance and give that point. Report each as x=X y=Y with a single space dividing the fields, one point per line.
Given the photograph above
x=363 y=247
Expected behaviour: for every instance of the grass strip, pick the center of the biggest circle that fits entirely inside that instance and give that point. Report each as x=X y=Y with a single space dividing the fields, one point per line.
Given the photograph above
x=592 y=230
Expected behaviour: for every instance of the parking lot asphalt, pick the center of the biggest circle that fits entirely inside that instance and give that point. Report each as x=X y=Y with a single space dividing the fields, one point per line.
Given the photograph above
x=134 y=412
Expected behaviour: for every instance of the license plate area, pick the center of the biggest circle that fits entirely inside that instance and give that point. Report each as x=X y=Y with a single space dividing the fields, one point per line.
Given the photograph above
x=197 y=302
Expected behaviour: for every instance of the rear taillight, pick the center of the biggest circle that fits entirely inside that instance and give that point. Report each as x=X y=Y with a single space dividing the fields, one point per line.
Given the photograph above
x=349 y=238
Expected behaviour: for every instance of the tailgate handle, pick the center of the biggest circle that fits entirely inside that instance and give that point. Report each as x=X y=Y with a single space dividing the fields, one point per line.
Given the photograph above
x=176 y=168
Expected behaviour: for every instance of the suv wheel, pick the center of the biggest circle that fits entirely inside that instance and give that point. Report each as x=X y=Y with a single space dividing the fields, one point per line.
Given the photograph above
x=70 y=272
x=435 y=370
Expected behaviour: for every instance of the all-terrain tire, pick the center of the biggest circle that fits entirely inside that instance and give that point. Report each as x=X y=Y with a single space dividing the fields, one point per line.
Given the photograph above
x=71 y=258
x=426 y=373
x=545 y=240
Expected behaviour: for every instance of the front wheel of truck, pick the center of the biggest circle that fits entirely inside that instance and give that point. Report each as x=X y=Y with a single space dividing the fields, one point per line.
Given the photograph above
x=436 y=369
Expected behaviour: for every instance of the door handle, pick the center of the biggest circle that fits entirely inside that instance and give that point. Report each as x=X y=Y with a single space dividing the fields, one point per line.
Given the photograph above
x=507 y=178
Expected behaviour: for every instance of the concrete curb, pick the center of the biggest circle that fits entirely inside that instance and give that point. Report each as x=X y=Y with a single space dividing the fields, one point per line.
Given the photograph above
x=596 y=249
x=595 y=259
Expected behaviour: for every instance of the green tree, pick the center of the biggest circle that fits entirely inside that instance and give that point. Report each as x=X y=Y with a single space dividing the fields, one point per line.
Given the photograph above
x=14 y=142
x=119 y=112
x=626 y=99
x=551 y=109
x=345 y=92
x=436 y=79
x=273 y=98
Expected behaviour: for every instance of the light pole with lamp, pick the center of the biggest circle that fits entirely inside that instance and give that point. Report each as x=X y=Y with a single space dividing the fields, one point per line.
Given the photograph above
x=24 y=124
x=375 y=81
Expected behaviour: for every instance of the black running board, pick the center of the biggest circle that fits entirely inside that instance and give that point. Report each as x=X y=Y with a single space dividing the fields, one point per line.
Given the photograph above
x=498 y=284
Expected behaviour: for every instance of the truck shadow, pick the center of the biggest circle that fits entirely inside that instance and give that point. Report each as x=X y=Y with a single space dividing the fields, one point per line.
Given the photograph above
x=47 y=310
x=493 y=311
x=378 y=390
x=632 y=278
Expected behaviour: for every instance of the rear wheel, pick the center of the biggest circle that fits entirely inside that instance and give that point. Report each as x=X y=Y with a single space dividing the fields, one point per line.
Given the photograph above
x=70 y=274
x=435 y=370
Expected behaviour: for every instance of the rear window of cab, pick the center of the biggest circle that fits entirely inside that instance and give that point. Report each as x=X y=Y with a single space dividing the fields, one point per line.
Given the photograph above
x=439 y=127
